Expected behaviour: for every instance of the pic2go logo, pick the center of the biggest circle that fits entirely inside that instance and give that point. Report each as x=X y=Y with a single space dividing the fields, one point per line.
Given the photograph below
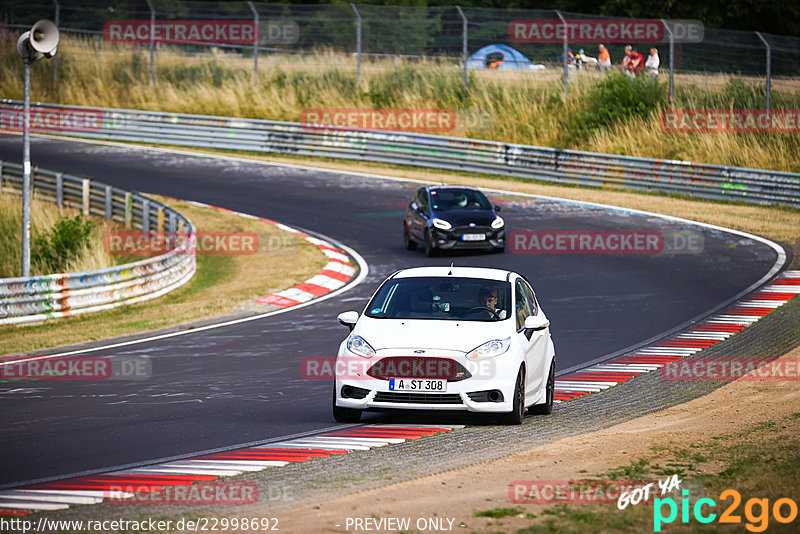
x=756 y=511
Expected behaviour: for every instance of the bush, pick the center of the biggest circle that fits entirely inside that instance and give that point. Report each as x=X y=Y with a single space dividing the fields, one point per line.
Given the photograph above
x=616 y=99
x=64 y=242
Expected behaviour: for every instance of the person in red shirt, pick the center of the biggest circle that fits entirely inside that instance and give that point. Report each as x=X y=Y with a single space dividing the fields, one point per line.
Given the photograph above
x=636 y=65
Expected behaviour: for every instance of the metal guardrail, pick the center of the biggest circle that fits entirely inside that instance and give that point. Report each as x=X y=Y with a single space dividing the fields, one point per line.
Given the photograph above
x=422 y=150
x=37 y=298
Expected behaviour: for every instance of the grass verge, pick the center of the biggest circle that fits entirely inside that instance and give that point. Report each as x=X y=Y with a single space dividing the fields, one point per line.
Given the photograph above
x=600 y=113
x=762 y=462
x=221 y=284
x=43 y=217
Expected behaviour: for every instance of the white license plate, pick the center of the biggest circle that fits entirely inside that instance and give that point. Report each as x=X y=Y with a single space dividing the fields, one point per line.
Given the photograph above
x=473 y=237
x=418 y=385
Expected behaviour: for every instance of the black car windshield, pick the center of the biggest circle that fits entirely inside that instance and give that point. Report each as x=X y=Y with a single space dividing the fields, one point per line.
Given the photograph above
x=458 y=199
x=443 y=298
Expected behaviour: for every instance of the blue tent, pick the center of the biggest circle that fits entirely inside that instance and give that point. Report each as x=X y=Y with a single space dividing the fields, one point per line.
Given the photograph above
x=508 y=58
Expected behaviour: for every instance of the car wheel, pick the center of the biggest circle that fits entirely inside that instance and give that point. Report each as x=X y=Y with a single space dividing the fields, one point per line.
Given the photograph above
x=407 y=241
x=344 y=415
x=517 y=413
x=550 y=388
x=430 y=250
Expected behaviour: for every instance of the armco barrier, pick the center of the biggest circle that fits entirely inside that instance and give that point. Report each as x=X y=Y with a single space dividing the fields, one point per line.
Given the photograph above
x=434 y=151
x=37 y=298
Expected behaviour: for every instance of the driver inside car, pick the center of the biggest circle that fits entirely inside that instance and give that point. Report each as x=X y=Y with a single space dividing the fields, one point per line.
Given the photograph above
x=487 y=298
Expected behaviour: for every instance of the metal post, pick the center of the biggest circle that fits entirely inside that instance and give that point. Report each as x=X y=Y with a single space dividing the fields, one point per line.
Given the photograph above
x=769 y=69
x=60 y=189
x=109 y=206
x=152 y=42
x=358 y=44
x=566 y=47
x=145 y=215
x=464 y=37
x=671 y=61
x=255 y=40
x=55 y=59
x=26 y=173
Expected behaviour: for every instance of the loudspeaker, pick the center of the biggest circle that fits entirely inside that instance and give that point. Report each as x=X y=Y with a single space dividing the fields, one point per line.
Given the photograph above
x=44 y=37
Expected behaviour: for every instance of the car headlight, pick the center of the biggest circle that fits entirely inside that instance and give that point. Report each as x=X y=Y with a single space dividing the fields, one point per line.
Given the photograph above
x=498 y=223
x=358 y=345
x=490 y=349
x=442 y=224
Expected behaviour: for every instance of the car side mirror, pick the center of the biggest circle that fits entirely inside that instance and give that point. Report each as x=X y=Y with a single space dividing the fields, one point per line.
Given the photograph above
x=536 y=322
x=348 y=319
x=413 y=206
x=497 y=208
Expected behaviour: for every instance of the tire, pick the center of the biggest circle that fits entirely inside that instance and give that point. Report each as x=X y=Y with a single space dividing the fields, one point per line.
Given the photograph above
x=409 y=243
x=344 y=415
x=517 y=413
x=430 y=250
x=547 y=407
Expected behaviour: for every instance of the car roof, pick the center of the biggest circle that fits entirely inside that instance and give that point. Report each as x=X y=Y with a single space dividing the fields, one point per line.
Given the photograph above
x=432 y=187
x=461 y=272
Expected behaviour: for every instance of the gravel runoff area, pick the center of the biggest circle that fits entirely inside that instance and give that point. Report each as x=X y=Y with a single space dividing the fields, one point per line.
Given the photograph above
x=312 y=482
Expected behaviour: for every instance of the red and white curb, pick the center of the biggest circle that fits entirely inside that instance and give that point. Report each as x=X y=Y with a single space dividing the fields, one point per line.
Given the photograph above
x=335 y=275
x=711 y=331
x=93 y=489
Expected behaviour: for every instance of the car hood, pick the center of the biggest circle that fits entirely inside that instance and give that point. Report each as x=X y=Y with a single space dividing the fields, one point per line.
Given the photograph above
x=464 y=217
x=430 y=334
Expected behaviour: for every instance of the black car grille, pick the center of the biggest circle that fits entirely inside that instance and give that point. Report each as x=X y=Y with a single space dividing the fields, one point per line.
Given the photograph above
x=418 y=398
x=425 y=367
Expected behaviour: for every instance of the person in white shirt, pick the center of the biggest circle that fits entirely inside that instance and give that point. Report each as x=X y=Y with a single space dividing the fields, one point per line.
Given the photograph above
x=652 y=63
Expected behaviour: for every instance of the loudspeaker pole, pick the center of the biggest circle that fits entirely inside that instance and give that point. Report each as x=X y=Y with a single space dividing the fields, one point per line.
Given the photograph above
x=26 y=172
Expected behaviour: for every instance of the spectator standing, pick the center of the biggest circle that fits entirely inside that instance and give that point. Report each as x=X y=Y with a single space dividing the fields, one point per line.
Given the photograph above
x=626 y=62
x=637 y=62
x=652 y=63
x=603 y=58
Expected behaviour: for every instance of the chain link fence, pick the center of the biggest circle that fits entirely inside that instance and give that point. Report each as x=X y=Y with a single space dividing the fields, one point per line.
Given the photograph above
x=357 y=37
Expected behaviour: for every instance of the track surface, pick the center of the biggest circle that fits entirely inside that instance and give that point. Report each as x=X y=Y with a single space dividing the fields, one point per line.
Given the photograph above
x=242 y=383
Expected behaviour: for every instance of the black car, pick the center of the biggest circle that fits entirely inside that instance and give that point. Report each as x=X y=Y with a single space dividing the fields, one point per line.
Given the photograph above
x=453 y=217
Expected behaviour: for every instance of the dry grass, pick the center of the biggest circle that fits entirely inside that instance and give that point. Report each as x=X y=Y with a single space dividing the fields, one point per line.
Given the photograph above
x=221 y=285
x=43 y=216
x=527 y=107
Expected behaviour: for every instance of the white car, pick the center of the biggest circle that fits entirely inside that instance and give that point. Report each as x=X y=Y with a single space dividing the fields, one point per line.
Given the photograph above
x=447 y=338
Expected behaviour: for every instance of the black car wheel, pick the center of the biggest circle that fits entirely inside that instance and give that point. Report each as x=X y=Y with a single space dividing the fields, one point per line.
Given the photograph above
x=409 y=243
x=517 y=413
x=344 y=415
x=430 y=250
x=547 y=406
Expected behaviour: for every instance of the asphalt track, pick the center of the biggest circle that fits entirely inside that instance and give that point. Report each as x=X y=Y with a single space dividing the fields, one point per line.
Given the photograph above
x=242 y=383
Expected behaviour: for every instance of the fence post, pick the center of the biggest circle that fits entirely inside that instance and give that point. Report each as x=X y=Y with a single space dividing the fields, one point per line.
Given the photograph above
x=60 y=189
x=152 y=42
x=671 y=61
x=769 y=69
x=255 y=40
x=358 y=44
x=55 y=59
x=85 y=189
x=1 y=175
x=109 y=210
x=566 y=47
x=145 y=215
x=464 y=38
x=128 y=210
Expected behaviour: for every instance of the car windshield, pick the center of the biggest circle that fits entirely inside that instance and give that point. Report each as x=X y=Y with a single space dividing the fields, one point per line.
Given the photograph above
x=459 y=199
x=444 y=298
